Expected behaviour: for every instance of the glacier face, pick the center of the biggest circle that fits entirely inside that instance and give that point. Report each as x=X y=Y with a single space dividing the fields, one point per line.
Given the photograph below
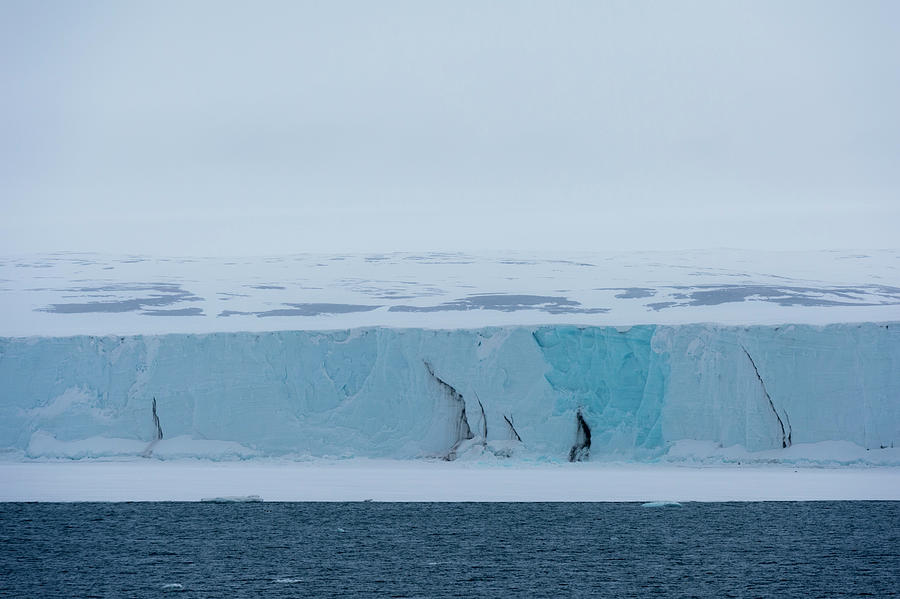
x=369 y=392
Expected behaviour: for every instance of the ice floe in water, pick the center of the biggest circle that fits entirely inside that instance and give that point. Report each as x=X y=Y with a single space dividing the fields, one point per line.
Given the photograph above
x=661 y=504
x=233 y=499
x=173 y=586
x=288 y=580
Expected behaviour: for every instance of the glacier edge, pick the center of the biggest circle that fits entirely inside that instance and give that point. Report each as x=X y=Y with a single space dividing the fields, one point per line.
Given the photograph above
x=365 y=393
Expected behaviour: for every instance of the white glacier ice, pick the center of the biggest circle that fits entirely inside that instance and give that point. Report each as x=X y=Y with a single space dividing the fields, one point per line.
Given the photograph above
x=301 y=377
x=89 y=294
x=648 y=393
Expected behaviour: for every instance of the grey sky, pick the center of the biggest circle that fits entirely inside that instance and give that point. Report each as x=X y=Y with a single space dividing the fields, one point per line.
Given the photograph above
x=266 y=127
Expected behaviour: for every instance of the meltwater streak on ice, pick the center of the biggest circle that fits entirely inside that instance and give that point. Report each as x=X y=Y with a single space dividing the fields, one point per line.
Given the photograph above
x=368 y=392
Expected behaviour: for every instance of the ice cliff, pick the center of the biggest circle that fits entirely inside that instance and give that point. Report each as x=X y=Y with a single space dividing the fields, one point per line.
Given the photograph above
x=385 y=392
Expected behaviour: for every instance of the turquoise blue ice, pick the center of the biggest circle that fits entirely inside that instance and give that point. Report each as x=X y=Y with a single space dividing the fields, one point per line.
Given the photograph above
x=367 y=392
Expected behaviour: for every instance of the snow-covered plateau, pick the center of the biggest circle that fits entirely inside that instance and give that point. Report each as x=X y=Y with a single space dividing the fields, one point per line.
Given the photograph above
x=720 y=362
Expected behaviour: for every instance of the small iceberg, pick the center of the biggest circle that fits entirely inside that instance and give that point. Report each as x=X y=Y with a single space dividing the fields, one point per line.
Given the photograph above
x=287 y=580
x=661 y=504
x=173 y=586
x=233 y=499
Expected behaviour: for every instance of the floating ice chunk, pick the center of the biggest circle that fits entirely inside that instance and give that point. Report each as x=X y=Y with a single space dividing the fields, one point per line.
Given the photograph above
x=233 y=499
x=661 y=504
x=173 y=586
x=287 y=580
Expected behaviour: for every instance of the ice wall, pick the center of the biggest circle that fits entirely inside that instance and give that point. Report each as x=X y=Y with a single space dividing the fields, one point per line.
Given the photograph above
x=368 y=392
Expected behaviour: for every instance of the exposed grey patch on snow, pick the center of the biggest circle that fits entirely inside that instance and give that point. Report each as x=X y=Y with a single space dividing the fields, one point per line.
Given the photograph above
x=872 y=295
x=317 y=309
x=506 y=303
x=166 y=288
x=468 y=290
x=159 y=294
x=175 y=312
x=305 y=310
x=661 y=305
x=630 y=292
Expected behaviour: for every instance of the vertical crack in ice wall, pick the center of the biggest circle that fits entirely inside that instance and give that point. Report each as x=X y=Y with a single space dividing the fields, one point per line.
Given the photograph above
x=483 y=420
x=581 y=450
x=157 y=435
x=785 y=436
x=462 y=429
x=790 y=429
x=513 y=433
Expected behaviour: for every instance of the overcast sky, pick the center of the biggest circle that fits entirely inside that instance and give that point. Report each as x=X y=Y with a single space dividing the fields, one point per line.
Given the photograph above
x=268 y=127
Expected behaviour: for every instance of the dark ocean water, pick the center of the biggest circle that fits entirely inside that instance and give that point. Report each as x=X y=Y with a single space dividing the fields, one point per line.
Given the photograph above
x=819 y=549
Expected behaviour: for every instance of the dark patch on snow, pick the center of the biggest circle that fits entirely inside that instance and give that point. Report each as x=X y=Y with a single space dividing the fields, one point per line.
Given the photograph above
x=630 y=292
x=713 y=295
x=317 y=309
x=160 y=294
x=662 y=305
x=175 y=312
x=507 y=303
x=304 y=310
